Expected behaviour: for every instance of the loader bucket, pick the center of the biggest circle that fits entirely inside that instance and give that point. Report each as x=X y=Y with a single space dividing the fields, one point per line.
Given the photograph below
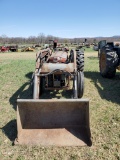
x=56 y=122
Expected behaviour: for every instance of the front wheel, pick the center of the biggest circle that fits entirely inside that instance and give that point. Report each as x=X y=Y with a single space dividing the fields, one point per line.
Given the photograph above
x=75 y=88
x=80 y=84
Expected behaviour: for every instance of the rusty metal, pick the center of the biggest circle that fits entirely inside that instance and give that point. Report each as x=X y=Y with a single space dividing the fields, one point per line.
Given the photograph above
x=58 y=56
x=41 y=54
x=103 y=62
x=49 y=67
x=59 y=122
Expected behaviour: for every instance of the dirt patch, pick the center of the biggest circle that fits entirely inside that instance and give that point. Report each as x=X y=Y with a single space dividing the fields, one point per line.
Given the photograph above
x=17 y=55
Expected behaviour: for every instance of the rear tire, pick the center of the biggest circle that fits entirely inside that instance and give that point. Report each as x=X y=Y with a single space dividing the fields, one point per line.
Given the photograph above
x=80 y=60
x=107 y=63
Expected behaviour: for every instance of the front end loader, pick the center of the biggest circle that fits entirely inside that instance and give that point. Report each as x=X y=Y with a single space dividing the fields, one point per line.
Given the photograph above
x=56 y=122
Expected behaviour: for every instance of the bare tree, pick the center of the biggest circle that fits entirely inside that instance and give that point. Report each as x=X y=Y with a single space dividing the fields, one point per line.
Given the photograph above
x=4 y=40
x=41 y=38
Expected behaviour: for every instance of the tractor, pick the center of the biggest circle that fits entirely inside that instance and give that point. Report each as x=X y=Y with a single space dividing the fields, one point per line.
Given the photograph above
x=4 y=49
x=13 y=48
x=109 y=58
x=56 y=122
x=27 y=49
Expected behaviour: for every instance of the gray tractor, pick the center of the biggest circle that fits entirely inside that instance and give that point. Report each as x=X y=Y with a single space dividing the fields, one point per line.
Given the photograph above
x=109 y=58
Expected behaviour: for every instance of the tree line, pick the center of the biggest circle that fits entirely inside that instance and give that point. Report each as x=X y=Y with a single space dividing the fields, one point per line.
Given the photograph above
x=42 y=39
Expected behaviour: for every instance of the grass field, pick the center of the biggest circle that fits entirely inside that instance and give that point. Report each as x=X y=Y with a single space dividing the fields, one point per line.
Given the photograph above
x=104 y=95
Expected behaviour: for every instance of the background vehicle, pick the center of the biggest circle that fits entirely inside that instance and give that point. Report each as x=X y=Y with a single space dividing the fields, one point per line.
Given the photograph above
x=27 y=49
x=13 y=48
x=4 y=49
x=95 y=47
x=109 y=58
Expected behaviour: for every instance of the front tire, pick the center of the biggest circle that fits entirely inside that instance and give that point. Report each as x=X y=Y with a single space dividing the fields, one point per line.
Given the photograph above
x=80 y=84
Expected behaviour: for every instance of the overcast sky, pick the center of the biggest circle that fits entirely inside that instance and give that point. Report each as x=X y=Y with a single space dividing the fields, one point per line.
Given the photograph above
x=61 y=18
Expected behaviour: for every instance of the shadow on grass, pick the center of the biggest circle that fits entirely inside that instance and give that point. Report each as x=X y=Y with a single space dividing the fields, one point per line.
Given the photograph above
x=10 y=130
x=57 y=94
x=22 y=93
x=108 y=89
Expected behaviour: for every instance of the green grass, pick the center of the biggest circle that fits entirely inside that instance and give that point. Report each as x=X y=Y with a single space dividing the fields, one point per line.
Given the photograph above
x=89 y=49
x=104 y=95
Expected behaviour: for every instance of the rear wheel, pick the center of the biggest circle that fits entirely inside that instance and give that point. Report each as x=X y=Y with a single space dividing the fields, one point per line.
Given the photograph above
x=80 y=60
x=107 y=63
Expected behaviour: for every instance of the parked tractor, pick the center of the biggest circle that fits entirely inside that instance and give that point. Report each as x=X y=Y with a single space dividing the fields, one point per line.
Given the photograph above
x=109 y=58
x=4 y=49
x=58 y=122
x=28 y=49
x=13 y=48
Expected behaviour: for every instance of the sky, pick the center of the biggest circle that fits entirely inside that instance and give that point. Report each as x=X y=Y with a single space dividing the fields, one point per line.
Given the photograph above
x=60 y=18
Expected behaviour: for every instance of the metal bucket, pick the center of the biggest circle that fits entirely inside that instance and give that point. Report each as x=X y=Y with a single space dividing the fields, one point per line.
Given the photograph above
x=56 y=122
